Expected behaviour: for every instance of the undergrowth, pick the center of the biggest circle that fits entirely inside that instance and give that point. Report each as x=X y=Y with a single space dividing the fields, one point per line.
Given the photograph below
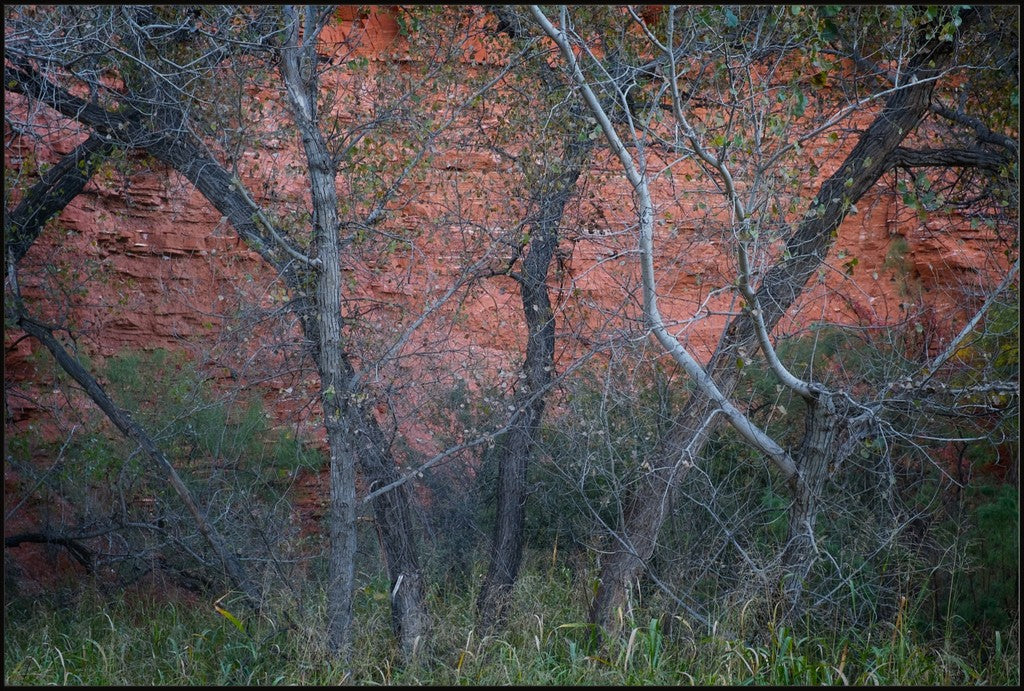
x=108 y=640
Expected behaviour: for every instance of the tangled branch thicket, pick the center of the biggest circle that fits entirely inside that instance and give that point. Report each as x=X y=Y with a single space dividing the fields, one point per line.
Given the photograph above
x=504 y=291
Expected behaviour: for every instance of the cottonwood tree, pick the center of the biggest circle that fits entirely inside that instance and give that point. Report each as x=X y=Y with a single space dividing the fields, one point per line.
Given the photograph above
x=737 y=116
x=550 y=163
x=155 y=83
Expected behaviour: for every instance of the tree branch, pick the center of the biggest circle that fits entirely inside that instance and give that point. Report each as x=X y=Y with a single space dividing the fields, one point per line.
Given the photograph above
x=949 y=158
x=747 y=429
x=58 y=186
x=82 y=554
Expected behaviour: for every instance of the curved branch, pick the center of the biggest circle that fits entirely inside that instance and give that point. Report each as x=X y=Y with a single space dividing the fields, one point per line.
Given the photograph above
x=82 y=554
x=747 y=429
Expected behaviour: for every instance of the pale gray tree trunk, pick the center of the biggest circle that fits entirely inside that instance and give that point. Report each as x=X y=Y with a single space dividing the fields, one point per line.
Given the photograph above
x=352 y=432
x=298 y=69
x=319 y=308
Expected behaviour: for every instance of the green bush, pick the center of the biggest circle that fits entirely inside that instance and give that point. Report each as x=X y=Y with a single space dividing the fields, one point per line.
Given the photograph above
x=987 y=596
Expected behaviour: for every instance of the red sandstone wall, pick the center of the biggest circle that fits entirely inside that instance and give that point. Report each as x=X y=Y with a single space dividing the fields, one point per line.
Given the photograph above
x=165 y=270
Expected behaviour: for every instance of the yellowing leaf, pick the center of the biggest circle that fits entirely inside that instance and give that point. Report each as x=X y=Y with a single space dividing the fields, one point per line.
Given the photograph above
x=230 y=617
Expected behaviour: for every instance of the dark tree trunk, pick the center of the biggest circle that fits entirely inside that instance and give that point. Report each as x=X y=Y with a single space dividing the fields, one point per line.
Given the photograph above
x=177 y=148
x=551 y=195
x=133 y=431
x=48 y=197
x=58 y=186
x=410 y=620
x=782 y=284
x=82 y=554
x=649 y=504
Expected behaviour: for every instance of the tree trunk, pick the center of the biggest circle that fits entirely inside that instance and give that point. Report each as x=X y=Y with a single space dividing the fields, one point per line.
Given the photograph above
x=58 y=186
x=410 y=621
x=517 y=451
x=800 y=552
x=335 y=376
x=176 y=148
x=780 y=288
x=82 y=554
x=650 y=502
x=48 y=197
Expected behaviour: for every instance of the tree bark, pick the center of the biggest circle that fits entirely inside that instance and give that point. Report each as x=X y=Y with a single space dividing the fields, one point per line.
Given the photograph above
x=806 y=249
x=551 y=194
x=335 y=379
x=410 y=621
x=800 y=553
x=177 y=148
x=352 y=432
x=58 y=186
x=82 y=554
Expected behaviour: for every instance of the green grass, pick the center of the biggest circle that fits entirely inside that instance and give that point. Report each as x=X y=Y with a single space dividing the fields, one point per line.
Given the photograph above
x=118 y=640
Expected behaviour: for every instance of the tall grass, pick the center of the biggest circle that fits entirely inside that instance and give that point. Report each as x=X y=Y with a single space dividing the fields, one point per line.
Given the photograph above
x=100 y=640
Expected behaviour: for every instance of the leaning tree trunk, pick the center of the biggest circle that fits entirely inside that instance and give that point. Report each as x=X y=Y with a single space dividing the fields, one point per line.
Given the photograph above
x=648 y=506
x=133 y=431
x=58 y=186
x=22 y=226
x=519 y=446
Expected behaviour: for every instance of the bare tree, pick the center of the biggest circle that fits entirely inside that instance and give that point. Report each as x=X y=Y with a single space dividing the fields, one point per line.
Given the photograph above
x=168 y=111
x=928 y=53
x=732 y=97
x=548 y=190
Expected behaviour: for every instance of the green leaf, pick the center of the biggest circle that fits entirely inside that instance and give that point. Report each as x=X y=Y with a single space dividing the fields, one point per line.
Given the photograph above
x=801 y=103
x=730 y=18
x=230 y=617
x=829 y=31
